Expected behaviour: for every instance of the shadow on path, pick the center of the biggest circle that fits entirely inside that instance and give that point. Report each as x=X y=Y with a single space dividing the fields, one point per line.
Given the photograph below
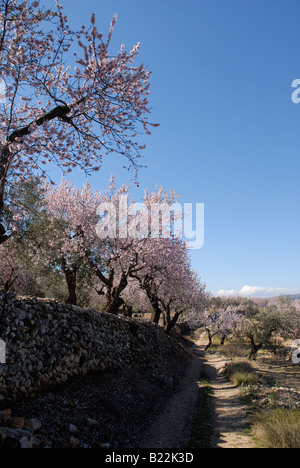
x=230 y=414
x=172 y=428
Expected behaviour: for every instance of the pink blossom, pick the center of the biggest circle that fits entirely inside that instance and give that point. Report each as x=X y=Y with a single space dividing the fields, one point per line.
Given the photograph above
x=73 y=111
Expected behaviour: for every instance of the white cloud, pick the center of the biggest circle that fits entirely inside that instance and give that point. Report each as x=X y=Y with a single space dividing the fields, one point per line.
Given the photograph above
x=256 y=291
x=259 y=291
x=224 y=292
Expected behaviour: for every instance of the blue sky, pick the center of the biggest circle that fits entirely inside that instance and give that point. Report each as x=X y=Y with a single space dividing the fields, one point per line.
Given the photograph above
x=229 y=133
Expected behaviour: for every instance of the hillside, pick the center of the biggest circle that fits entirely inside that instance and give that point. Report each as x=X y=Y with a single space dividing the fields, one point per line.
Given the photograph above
x=294 y=297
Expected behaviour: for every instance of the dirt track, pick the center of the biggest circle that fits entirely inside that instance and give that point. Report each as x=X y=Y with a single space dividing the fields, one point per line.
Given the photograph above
x=230 y=430
x=172 y=428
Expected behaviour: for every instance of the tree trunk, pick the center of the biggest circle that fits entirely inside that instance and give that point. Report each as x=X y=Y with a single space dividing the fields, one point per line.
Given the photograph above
x=147 y=284
x=171 y=322
x=150 y=289
x=209 y=339
x=114 y=300
x=10 y=281
x=127 y=311
x=3 y=236
x=223 y=339
x=113 y=306
x=254 y=349
x=156 y=313
x=71 y=279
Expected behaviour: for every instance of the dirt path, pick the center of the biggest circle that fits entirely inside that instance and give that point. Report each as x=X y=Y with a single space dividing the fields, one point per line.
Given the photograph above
x=230 y=426
x=230 y=414
x=172 y=428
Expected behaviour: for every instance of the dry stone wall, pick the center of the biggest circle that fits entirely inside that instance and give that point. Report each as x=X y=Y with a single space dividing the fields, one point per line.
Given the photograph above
x=47 y=342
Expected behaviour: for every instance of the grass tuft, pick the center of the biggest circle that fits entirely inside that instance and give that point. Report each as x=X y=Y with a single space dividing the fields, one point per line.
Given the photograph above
x=241 y=374
x=278 y=428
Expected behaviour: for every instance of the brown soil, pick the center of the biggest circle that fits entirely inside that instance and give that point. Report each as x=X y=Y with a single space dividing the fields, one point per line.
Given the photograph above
x=171 y=429
x=281 y=370
x=231 y=424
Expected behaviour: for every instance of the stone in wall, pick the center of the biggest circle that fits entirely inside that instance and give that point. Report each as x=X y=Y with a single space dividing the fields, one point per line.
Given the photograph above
x=47 y=342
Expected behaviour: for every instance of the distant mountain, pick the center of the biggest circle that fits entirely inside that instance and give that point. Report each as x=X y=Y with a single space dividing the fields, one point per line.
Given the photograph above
x=294 y=297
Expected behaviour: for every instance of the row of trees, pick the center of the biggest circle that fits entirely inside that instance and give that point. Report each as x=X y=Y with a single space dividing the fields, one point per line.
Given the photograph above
x=258 y=322
x=56 y=237
x=70 y=102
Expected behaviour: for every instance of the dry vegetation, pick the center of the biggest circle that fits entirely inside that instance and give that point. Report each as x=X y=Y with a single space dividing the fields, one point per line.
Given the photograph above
x=271 y=387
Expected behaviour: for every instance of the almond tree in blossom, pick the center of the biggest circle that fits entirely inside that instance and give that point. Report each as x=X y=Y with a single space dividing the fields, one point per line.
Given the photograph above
x=69 y=211
x=160 y=266
x=157 y=252
x=171 y=286
x=114 y=257
x=77 y=244
x=68 y=101
x=222 y=322
x=181 y=294
x=135 y=299
x=166 y=274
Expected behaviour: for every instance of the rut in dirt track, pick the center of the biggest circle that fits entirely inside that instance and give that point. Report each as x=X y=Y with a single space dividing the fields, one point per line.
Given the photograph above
x=172 y=427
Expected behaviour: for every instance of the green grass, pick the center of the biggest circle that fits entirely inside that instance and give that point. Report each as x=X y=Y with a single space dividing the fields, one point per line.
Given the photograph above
x=241 y=374
x=277 y=428
x=202 y=426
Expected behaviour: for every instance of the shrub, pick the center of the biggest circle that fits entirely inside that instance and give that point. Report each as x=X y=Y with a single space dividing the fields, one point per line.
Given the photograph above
x=234 y=350
x=241 y=374
x=278 y=428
